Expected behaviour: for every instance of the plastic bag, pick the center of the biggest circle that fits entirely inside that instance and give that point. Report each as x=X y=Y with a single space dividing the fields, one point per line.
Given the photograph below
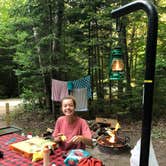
x=135 y=155
x=74 y=156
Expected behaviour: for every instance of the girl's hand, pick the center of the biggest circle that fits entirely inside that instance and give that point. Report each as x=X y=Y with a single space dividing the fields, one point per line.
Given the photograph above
x=77 y=139
x=80 y=138
x=60 y=137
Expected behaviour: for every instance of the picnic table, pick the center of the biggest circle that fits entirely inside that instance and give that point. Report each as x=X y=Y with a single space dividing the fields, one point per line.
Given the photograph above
x=12 y=158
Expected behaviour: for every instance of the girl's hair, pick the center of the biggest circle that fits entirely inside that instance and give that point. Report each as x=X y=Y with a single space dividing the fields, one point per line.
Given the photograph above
x=69 y=97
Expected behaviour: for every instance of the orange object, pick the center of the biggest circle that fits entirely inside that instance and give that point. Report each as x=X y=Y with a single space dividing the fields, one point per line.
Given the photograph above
x=90 y=161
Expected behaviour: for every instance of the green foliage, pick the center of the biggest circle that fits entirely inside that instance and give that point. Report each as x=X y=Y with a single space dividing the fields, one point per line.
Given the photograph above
x=31 y=100
x=66 y=40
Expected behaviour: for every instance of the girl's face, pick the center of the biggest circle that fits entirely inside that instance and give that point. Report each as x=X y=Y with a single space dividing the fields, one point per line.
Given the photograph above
x=68 y=107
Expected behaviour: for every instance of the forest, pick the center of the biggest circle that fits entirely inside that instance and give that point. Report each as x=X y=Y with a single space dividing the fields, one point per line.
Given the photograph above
x=41 y=40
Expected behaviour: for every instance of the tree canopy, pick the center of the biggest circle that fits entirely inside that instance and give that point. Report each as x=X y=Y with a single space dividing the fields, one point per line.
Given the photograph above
x=42 y=40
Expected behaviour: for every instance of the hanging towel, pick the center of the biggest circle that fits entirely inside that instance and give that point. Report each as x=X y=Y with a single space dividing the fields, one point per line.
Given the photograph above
x=83 y=83
x=81 y=99
x=70 y=85
x=59 y=90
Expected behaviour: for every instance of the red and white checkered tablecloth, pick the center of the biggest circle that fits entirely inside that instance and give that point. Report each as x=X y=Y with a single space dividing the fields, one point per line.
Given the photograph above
x=12 y=158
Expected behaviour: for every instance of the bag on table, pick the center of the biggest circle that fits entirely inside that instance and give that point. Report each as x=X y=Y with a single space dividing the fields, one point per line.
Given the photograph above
x=90 y=161
x=74 y=156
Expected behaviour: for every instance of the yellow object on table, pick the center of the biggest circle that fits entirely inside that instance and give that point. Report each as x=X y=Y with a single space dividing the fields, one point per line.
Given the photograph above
x=28 y=147
x=37 y=156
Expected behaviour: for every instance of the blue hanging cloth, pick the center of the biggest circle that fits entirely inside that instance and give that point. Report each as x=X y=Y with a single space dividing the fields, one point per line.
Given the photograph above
x=84 y=82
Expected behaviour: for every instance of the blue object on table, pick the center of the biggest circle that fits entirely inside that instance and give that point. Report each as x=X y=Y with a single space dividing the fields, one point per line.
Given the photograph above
x=74 y=156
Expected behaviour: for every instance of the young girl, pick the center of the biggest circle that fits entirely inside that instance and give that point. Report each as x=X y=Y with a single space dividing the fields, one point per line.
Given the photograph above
x=71 y=131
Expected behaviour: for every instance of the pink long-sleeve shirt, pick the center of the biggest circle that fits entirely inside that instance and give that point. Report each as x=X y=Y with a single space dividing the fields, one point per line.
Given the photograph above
x=79 y=127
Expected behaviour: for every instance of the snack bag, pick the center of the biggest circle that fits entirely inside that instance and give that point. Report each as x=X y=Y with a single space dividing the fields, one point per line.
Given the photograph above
x=74 y=156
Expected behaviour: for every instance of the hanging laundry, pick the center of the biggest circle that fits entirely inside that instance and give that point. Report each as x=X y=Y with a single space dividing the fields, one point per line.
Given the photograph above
x=81 y=99
x=84 y=82
x=70 y=87
x=59 y=90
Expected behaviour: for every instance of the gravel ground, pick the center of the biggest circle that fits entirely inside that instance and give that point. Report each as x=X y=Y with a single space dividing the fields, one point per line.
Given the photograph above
x=12 y=104
x=123 y=158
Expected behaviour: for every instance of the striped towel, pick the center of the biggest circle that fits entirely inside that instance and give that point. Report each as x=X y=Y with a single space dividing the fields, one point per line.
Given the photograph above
x=84 y=82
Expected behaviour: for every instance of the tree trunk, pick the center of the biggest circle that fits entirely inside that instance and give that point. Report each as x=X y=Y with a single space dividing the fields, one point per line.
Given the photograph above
x=124 y=44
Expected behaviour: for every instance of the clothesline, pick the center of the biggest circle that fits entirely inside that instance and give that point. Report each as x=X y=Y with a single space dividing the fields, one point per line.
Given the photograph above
x=80 y=89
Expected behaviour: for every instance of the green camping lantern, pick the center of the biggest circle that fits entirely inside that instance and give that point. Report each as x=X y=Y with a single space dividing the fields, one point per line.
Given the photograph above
x=116 y=65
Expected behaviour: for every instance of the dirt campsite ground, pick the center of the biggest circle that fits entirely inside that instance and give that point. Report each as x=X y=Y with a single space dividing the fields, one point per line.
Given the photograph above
x=132 y=130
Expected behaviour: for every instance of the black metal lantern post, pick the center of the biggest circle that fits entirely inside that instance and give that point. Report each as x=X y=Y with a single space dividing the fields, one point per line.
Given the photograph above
x=151 y=43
